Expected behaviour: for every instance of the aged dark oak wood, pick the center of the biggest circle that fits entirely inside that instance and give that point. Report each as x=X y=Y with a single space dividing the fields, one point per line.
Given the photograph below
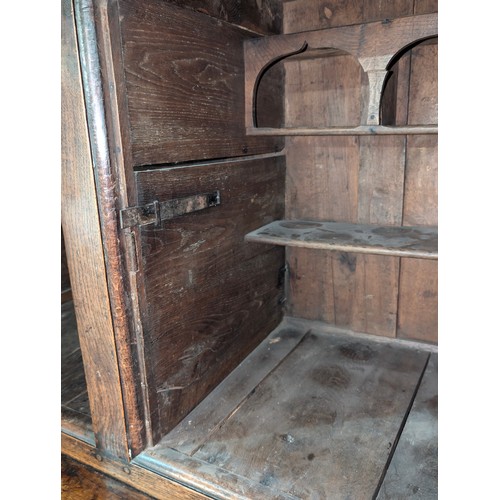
x=418 y=283
x=413 y=471
x=134 y=476
x=215 y=482
x=303 y=15
x=210 y=297
x=264 y=17
x=195 y=429
x=358 y=179
x=184 y=85
x=408 y=241
x=321 y=424
x=83 y=240
x=79 y=482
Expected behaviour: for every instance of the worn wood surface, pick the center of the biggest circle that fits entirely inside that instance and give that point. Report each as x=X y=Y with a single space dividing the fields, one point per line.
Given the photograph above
x=304 y=15
x=359 y=130
x=214 y=481
x=404 y=241
x=353 y=183
x=418 y=297
x=205 y=419
x=326 y=389
x=320 y=425
x=211 y=297
x=425 y=6
x=418 y=284
x=358 y=179
x=184 y=85
x=264 y=17
x=327 y=328
x=83 y=239
x=373 y=44
x=75 y=406
x=423 y=97
x=100 y=47
x=132 y=475
x=413 y=472
x=79 y=482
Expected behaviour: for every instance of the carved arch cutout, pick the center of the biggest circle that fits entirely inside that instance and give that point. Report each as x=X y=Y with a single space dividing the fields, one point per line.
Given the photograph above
x=335 y=76
x=402 y=77
x=373 y=44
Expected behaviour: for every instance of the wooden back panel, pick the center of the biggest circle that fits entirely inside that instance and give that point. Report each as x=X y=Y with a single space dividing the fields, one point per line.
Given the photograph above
x=386 y=180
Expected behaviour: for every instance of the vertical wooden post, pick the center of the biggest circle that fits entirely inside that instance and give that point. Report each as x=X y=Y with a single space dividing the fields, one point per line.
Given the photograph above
x=86 y=260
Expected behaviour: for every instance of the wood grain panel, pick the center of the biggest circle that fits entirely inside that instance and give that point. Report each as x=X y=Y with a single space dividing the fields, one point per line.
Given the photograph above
x=311 y=291
x=304 y=15
x=381 y=180
x=322 y=424
x=370 y=187
x=330 y=90
x=320 y=181
x=418 y=302
x=83 y=239
x=211 y=296
x=79 y=482
x=425 y=6
x=365 y=293
x=135 y=476
x=423 y=102
x=418 y=310
x=260 y=16
x=353 y=291
x=322 y=178
x=197 y=426
x=380 y=200
x=184 y=85
x=421 y=181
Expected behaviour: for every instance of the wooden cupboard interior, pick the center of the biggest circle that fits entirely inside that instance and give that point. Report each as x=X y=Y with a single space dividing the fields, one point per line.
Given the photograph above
x=249 y=271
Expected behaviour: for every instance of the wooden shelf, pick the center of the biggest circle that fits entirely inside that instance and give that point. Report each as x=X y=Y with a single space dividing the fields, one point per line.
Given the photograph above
x=360 y=130
x=373 y=44
x=403 y=241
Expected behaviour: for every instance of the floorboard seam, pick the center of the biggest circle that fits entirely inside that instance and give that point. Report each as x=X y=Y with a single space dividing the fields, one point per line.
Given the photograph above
x=244 y=400
x=400 y=431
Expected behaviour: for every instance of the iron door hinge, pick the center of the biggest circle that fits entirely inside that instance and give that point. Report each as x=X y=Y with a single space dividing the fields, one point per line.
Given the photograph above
x=157 y=212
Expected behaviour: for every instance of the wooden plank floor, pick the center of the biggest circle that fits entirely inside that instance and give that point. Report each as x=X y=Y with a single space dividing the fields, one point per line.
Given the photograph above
x=75 y=408
x=413 y=469
x=309 y=415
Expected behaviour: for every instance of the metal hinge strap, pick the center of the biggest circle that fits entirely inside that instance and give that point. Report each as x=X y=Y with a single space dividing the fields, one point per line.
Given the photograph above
x=157 y=212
